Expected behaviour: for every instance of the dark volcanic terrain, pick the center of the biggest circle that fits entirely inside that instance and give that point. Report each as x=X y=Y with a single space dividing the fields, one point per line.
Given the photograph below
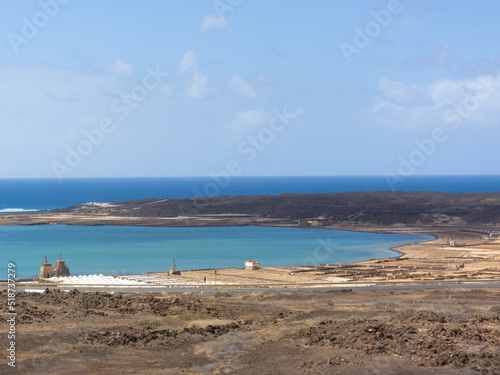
x=364 y=209
x=378 y=208
x=298 y=332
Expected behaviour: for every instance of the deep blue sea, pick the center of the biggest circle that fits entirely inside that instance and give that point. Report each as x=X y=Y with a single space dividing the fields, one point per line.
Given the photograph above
x=128 y=250
x=40 y=194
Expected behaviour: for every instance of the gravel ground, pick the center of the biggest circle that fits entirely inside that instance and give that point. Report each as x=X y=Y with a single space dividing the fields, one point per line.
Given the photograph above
x=297 y=332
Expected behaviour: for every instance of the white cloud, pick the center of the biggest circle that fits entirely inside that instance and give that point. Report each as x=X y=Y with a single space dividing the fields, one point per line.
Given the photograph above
x=250 y=119
x=198 y=87
x=400 y=93
x=443 y=102
x=187 y=62
x=118 y=67
x=241 y=87
x=213 y=22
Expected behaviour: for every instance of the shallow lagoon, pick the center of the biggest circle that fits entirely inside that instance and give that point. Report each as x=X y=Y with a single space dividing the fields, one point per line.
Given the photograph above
x=118 y=250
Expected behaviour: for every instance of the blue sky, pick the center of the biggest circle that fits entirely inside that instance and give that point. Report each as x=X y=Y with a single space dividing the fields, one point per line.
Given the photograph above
x=252 y=88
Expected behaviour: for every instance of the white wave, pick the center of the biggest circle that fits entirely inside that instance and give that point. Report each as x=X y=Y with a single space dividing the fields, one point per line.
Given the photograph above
x=18 y=210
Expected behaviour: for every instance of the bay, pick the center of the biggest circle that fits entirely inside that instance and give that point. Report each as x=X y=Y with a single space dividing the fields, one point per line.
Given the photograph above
x=118 y=250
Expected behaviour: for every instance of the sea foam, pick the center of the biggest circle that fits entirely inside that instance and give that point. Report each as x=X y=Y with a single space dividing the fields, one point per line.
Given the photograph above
x=18 y=210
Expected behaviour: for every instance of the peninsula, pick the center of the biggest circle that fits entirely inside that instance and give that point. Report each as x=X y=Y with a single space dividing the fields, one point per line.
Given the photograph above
x=466 y=227
x=464 y=211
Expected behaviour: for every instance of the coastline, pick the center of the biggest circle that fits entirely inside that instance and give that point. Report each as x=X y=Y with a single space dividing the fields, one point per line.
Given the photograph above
x=421 y=263
x=475 y=259
x=380 y=251
x=474 y=256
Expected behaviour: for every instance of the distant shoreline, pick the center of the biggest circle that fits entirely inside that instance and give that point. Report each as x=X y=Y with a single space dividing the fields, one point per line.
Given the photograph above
x=467 y=217
x=381 y=209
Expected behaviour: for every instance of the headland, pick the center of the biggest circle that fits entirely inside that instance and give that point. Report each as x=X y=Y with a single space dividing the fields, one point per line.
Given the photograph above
x=466 y=226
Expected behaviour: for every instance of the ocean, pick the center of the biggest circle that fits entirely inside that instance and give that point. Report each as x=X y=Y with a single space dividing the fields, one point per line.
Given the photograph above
x=42 y=194
x=129 y=250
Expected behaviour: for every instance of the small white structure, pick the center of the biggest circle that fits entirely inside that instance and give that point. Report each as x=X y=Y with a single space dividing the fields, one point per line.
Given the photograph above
x=453 y=243
x=252 y=265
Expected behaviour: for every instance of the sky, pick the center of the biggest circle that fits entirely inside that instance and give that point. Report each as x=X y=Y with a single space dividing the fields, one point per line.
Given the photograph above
x=156 y=88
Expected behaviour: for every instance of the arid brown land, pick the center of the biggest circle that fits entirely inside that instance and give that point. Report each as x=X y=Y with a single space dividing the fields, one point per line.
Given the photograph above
x=275 y=332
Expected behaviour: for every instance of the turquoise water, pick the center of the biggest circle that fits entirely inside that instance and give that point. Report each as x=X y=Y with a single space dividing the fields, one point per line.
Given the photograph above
x=115 y=250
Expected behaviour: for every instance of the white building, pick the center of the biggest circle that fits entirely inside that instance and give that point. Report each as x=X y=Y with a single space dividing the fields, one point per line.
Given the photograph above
x=252 y=265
